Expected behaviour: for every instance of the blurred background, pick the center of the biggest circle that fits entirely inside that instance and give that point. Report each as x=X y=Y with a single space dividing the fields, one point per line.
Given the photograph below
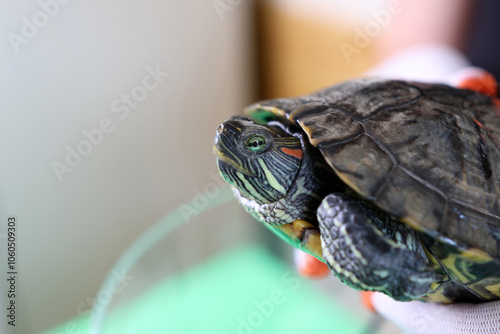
x=108 y=115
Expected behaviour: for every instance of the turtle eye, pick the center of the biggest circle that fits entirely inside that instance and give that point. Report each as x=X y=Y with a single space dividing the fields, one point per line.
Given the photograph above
x=256 y=143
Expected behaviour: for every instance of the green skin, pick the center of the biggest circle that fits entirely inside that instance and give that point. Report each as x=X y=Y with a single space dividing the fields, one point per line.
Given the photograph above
x=279 y=177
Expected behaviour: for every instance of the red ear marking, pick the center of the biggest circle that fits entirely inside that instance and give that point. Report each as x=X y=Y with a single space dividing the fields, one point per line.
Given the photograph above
x=293 y=153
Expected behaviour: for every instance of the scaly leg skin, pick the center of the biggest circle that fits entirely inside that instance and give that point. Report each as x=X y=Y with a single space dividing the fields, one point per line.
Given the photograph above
x=361 y=255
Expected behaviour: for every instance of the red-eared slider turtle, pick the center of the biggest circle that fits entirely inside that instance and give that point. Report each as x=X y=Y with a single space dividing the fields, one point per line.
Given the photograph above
x=395 y=185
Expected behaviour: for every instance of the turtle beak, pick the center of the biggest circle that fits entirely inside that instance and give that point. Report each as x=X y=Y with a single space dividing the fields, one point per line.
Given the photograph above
x=226 y=145
x=230 y=128
x=218 y=134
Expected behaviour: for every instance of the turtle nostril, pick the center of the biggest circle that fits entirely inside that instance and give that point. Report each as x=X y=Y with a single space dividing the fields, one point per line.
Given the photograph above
x=220 y=128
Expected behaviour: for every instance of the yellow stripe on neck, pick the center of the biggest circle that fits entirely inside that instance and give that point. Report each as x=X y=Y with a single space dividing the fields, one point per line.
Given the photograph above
x=249 y=186
x=272 y=180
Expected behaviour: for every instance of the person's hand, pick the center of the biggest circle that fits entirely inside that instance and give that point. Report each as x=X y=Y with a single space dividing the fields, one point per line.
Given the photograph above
x=417 y=317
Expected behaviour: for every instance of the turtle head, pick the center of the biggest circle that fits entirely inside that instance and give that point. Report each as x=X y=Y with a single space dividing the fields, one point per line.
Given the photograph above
x=260 y=160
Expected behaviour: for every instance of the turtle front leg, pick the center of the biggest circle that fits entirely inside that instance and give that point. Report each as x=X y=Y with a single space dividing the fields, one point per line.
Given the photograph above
x=361 y=255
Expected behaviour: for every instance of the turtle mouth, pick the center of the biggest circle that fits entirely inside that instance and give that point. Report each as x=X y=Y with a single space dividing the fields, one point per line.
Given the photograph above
x=223 y=159
x=225 y=145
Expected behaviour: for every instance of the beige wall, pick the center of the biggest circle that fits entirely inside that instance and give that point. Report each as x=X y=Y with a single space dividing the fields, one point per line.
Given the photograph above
x=307 y=45
x=68 y=77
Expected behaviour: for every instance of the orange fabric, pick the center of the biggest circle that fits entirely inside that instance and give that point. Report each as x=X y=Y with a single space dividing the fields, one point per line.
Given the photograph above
x=484 y=83
x=311 y=267
x=366 y=298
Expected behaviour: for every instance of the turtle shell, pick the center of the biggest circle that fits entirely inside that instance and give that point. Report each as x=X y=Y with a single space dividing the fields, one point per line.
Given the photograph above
x=428 y=154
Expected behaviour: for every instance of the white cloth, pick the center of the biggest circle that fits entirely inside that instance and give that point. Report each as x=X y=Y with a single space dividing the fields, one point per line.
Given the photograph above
x=425 y=63
x=430 y=318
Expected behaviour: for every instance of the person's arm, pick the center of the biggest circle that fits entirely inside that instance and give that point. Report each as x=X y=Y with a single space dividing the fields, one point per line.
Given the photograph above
x=423 y=22
x=424 y=41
